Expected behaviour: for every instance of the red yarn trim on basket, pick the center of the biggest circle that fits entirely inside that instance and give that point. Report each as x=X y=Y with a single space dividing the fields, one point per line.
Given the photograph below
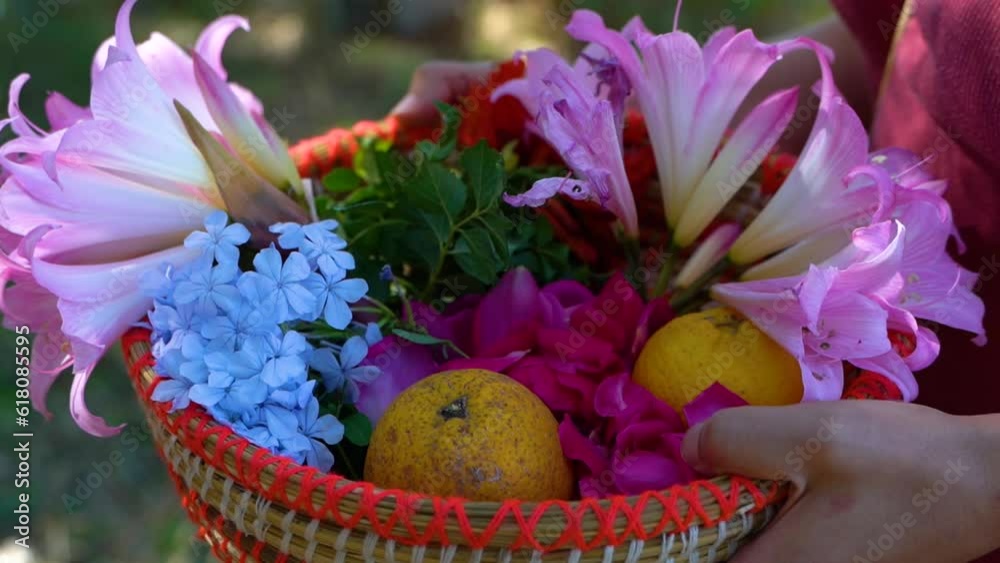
x=446 y=510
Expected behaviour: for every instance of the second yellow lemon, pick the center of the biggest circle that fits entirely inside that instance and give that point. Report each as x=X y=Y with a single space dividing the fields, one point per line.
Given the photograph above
x=693 y=351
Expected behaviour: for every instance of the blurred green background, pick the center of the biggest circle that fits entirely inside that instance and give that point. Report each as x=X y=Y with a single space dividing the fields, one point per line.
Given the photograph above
x=294 y=60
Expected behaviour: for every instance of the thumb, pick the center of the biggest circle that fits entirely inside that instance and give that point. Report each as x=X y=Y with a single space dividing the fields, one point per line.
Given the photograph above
x=758 y=442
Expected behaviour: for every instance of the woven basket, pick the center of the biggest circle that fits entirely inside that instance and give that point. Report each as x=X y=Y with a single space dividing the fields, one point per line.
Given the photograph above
x=251 y=505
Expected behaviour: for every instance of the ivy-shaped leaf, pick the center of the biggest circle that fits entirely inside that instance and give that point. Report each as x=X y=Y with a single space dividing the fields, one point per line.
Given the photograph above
x=485 y=168
x=437 y=190
x=475 y=254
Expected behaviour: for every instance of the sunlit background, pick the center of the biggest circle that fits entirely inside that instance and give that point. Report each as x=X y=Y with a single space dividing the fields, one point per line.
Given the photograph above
x=321 y=63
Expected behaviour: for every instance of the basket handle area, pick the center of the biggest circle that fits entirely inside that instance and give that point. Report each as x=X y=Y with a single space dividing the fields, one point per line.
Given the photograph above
x=316 y=156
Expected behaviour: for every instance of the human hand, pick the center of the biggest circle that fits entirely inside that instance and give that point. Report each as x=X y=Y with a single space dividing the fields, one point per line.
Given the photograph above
x=871 y=480
x=437 y=81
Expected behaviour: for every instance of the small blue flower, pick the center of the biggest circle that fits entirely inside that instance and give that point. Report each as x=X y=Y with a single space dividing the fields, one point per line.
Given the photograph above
x=231 y=394
x=194 y=349
x=168 y=362
x=178 y=321
x=278 y=286
x=315 y=240
x=284 y=425
x=158 y=284
x=239 y=323
x=290 y=235
x=218 y=240
x=287 y=361
x=209 y=286
x=385 y=273
x=333 y=293
x=176 y=391
x=319 y=429
x=293 y=235
x=294 y=398
x=320 y=242
x=373 y=334
x=256 y=433
x=345 y=371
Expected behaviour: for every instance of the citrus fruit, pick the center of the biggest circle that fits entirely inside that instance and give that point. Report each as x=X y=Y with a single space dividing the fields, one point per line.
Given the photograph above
x=475 y=434
x=693 y=351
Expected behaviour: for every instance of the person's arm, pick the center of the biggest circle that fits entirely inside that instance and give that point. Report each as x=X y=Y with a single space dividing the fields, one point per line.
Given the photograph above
x=872 y=480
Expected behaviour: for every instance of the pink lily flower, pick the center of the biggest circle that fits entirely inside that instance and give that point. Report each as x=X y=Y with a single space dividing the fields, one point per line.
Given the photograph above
x=830 y=186
x=892 y=274
x=112 y=192
x=689 y=95
x=585 y=127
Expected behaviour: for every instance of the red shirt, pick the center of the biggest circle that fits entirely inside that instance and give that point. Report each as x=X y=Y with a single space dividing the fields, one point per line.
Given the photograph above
x=940 y=97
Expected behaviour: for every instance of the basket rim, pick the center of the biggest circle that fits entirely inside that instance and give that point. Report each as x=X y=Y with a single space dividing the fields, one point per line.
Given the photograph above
x=683 y=505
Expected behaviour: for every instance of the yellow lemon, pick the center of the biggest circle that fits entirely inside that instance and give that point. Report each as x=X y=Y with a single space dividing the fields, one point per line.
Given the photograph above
x=693 y=351
x=475 y=434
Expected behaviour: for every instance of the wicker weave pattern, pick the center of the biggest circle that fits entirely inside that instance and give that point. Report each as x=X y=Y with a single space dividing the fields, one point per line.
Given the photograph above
x=253 y=506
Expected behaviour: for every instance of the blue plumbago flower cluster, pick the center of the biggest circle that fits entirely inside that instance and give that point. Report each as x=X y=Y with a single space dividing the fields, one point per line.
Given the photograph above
x=225 y=339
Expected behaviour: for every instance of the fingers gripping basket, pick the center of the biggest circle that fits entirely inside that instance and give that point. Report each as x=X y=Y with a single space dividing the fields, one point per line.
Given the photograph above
x=253 y=506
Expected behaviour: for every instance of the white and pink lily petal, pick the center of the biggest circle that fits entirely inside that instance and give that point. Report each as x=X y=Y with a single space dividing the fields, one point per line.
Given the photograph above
x=711 y=250
x=825 y=188
x=111 y=194
x=585 y=129
x=689 y=96
x=832 y=314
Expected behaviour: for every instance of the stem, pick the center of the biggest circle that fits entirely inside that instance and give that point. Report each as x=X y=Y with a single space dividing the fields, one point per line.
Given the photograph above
x=667 y=273
x=361 y=234
x=407 y=307
x=352 y=473
x=380 y=305
x=436 y=272
x=681 y=298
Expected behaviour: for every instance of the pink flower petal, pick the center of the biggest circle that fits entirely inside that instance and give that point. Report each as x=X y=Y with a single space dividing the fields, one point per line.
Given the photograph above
x=506 y=314
x=213 y=38
x=62 y=112
x=240 y=129
x=402 y=363
x=89 y=422
x=711 y=401
x=499 y=365
x=813 y=196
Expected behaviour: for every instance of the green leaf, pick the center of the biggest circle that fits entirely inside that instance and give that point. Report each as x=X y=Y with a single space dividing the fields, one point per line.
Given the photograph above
x=475 y=254
x=426 y=340
x=419 y=337
x=437 y=190
x=444 y=145
x=439 y=225
x=423 y=244
x=486 y=174
x=358 y=429
x=341 y=180
x=499 y=228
